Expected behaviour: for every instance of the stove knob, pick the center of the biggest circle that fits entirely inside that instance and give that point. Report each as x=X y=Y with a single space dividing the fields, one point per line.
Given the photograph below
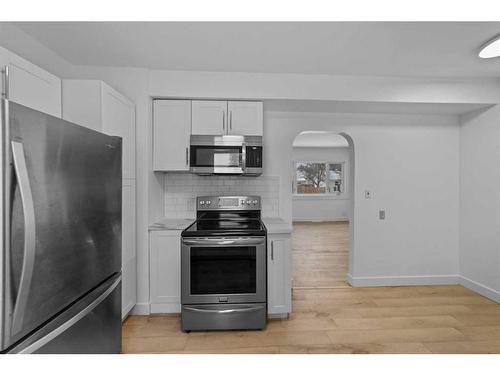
x=254 y=202
x=208 y=202
x=248 y=202
x=202 y=203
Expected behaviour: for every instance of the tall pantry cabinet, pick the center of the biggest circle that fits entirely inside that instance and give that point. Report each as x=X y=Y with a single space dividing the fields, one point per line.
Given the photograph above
x=96 y=105
x=29 y=85
x=93 y=104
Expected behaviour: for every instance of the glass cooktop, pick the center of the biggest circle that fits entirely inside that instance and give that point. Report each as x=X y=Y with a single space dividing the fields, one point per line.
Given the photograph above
x=225 y=227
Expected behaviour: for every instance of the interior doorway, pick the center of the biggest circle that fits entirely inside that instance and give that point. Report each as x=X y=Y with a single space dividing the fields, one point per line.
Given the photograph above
x=320 y=254
x=321 y=209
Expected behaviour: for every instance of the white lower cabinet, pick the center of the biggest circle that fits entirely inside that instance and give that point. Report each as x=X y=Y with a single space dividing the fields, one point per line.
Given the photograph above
x=165 y=271
x=279 y=275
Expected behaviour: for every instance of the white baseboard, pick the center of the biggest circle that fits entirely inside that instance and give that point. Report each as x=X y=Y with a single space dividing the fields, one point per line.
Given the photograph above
x=140 y=309
x=349 y=280
x=320 y=220
x=127 y=311
x=403 y=280
x=480 y=288
x=165 y=308
x=278 y=316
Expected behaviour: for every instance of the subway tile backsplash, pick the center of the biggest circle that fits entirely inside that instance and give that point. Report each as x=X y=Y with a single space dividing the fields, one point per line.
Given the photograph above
x=181 y=190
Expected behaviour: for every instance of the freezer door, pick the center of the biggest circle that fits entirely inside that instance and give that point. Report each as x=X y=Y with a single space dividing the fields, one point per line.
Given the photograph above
x=64 y=188
x=90 y=326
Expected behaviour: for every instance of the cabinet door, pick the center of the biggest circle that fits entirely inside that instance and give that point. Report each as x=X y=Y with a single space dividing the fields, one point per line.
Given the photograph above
x=245 y=118
x=129 y=253
x=209 y=117
x=171 y=133
x=279 y=288
x=30 y=85
x=118 y=118
x=81 y=102
x=165 y=271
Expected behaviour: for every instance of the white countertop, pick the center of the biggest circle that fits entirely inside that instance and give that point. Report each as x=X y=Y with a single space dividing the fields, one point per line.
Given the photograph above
x=276 y=225
x=171 y=224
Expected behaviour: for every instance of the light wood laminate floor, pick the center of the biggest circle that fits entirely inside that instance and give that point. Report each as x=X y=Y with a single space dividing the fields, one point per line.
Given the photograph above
x=413 y=319
x=320 y=254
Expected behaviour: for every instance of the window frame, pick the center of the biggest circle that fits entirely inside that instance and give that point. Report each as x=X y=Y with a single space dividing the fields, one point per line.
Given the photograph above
x=325 y=195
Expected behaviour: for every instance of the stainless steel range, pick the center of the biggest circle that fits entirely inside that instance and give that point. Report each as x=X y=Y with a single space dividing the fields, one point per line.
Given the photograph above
x=223 y=265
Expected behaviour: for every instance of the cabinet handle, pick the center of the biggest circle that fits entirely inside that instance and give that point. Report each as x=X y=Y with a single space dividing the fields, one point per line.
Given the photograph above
x=5 y=92
x=187 y=156
x=223 y=122
x=231 y=120
x=272 y=250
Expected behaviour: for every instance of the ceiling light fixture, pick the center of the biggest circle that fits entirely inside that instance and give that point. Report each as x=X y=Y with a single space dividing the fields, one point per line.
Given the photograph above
x=490 y=49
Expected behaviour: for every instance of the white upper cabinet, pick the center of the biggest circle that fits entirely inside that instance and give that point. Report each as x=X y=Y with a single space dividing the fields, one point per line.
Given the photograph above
x=29 y=85
x=216 y=117
x=171 y=134
x=82 y=102
x=209 y=117
x=96 y=105
x=245 y=118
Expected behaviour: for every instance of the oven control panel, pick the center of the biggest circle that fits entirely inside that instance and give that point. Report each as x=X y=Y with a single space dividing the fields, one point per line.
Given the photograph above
x=228 y=203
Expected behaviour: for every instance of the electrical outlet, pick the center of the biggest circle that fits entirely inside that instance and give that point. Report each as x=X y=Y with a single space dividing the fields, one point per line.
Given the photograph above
x=368 y=194
x=381 y=214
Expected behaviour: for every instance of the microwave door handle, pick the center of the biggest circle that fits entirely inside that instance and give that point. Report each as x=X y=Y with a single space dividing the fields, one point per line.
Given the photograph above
x=243 y=157
x=29 y=236
x=5 y=77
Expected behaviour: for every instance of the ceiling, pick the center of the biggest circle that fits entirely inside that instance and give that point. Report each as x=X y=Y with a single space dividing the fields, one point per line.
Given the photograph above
x=441 y=49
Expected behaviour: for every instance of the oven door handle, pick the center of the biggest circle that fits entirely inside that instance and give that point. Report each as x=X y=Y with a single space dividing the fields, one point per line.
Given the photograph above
x=225 y=311
x=239 y=241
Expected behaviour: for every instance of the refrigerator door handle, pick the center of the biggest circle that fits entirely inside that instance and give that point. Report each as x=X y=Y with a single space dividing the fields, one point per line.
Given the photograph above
x=29 y=236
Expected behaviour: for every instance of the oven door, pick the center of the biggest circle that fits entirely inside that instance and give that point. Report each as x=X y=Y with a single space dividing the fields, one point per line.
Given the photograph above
x=223 y=270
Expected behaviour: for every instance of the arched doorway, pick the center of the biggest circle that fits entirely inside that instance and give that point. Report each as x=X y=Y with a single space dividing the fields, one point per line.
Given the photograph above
x=322 y=209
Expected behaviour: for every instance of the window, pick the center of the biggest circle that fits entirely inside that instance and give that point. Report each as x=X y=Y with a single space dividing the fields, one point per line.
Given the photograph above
x=319 y=177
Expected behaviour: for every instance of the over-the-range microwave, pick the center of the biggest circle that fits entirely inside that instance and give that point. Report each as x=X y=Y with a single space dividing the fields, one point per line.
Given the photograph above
x=226 y=154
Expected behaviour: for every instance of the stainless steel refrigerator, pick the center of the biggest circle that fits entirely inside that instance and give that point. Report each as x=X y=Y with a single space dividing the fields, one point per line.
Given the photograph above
x=60 y=264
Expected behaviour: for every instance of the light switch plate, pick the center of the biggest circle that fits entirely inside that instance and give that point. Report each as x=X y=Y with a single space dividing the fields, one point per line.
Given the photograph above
x=381 y=214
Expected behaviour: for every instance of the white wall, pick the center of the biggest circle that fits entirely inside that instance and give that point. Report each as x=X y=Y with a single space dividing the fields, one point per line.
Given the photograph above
x=410 y=163
x=322 y=207
x=480 y=201
x=189 y=84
